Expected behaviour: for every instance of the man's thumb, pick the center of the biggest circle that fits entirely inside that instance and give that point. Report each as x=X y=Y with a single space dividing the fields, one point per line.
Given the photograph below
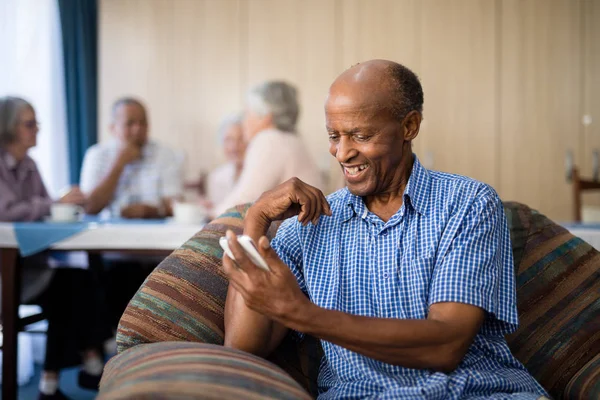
x=265 y=249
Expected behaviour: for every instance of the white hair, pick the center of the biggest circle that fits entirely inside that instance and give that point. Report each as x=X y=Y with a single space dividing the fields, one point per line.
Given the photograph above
x=228 y=122
x=10 y=111
x=278 y=99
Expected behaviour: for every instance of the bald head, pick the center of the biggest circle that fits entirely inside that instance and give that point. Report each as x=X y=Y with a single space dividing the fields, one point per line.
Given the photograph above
x=381 y=84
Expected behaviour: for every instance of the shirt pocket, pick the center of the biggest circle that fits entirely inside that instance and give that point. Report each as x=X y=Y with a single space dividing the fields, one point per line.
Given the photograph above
x=414 y=277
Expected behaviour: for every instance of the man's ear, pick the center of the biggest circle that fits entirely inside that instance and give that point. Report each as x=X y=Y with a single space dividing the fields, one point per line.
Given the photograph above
x=412 y=124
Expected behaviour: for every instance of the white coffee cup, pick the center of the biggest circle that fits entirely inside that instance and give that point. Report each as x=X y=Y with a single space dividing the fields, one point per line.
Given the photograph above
x=188 y=213
x=63 y=212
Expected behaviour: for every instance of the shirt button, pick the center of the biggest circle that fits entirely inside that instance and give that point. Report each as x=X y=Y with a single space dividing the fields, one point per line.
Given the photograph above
x=386 y=275
x=384 y=233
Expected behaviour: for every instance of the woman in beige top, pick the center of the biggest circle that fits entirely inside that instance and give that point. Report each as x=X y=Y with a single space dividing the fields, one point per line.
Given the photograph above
x=275 y=152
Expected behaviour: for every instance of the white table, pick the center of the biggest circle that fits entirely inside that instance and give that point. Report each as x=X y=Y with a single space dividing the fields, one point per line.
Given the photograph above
x=143 y=239
x=591 y=235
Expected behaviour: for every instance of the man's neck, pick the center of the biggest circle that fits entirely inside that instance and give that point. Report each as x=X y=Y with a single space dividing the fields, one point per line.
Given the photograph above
x=385 y=205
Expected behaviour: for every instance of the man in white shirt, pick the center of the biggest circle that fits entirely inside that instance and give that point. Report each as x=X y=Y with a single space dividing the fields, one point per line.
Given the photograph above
x=131 y=176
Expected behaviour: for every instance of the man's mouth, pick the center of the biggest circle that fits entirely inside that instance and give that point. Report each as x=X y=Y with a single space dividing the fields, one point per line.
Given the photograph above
x=354 y=170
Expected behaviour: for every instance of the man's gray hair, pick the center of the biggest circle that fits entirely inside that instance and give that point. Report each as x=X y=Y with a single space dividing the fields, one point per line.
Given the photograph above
x=124 y=101
x=228 y=122
x=10 y=111
x=278 y=98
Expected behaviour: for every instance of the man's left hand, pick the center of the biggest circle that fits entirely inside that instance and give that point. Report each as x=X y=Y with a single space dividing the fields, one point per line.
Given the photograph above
x=273 y=293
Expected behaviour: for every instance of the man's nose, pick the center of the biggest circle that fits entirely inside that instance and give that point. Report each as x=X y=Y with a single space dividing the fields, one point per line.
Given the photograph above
x=345 y=150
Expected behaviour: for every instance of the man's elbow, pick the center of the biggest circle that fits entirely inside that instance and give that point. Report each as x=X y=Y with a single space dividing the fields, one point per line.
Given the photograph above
x=447 y=359
x=239 y=343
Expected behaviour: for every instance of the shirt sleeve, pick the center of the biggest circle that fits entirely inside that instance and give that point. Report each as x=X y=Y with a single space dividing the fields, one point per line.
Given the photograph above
x=260 y=173
x=478 y=268
x=172 y=175
x=92 y=170
x=288 y=247
x=32 y=209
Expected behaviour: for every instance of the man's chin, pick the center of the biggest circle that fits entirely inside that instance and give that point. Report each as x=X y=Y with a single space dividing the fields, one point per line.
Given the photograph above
x=362 y=189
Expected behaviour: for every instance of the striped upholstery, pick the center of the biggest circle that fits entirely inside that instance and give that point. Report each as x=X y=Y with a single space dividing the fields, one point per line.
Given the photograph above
x=586 y=383
x=558 y=296
x=183 y=300
x=185 y=370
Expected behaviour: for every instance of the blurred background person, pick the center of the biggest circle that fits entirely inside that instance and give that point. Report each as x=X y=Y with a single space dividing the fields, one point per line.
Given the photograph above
x=275 y=152
x=68 y=296
x=132 y=176
x=216 y=185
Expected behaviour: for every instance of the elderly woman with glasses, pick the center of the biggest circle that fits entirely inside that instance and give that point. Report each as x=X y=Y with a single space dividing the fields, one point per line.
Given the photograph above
x=68 y=296
x=275 y=152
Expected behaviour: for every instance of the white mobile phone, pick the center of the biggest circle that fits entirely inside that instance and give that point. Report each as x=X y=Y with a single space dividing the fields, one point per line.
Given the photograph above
x=249 y=248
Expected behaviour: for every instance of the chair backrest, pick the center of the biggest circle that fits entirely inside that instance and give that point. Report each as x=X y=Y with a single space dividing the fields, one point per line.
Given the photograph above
x=579 y=186
x=558 y=286
x=558 y=297
x=183 y=299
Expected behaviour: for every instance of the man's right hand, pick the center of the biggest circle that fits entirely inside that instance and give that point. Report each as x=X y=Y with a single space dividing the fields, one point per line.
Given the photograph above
x=130 y=152
x=291 y=198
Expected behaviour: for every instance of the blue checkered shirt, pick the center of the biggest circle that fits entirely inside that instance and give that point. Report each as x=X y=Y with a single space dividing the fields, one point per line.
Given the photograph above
x=449 y=242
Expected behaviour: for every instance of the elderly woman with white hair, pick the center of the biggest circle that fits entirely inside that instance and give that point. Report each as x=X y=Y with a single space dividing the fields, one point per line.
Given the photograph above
x=221 y=181
x=68 y=296
x=275 y=152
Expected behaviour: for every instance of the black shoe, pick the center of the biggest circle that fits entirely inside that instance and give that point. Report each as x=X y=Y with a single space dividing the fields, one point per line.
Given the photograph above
x=58 y=395
x=88 y=381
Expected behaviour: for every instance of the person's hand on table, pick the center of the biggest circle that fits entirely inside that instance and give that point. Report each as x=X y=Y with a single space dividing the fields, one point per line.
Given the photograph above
x=291 y=198
x=273 y=293
x=73 y=196
x=139 y=211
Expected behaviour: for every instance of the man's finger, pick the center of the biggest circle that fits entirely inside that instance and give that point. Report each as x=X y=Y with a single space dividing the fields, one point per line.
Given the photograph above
x=325 y=204
x=270 y=256
x=235 y=274
x=315 y=209
x=237 y=250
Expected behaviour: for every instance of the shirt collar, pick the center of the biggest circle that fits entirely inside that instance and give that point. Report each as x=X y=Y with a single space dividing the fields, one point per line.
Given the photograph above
x=12 y=164
x=9 y=160
x=416 y=194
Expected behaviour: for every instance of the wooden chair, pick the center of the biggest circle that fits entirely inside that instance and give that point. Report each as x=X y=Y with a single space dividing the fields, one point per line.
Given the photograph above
x=579 y=186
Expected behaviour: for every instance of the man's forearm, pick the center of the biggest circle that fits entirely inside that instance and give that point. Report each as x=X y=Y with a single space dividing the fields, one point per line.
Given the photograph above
x=245 y=329
x=101 y=196
x=409 y=343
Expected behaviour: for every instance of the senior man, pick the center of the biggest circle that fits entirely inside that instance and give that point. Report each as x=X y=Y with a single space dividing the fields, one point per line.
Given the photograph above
x=406 y=275
x=130 y=175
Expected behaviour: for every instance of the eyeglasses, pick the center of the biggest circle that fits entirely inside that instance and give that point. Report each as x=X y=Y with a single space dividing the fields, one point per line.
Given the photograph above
x=32 y=124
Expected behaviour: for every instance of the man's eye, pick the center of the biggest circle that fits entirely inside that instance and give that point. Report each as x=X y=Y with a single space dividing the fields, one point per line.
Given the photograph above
x=360 y=137
x=333 y=137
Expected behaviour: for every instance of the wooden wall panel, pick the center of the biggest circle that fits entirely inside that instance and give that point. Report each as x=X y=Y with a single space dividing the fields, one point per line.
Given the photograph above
x=295 y=41
x=591 y=94
x=183 y=59
x=540 y=101
x=458 y=70
x=506 y=81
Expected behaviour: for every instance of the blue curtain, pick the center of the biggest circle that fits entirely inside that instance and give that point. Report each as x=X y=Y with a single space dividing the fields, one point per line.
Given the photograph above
x=79 y=23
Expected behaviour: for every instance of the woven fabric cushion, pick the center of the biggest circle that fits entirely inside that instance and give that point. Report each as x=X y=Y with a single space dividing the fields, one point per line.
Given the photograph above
x=183 y=299
x=558 y=297
x=178 y=370
x=586 y=383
